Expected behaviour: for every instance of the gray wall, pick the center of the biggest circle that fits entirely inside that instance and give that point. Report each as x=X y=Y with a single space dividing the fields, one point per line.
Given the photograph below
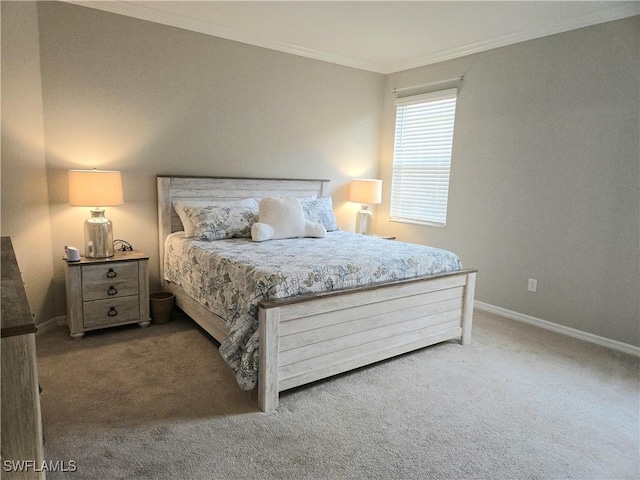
x=545 y=176
x=25 y=204
x=148 y=99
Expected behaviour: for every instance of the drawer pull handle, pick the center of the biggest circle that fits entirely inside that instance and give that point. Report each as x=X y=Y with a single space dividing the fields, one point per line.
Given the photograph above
x=111 y=273
x=112 y=290
x=112 y=312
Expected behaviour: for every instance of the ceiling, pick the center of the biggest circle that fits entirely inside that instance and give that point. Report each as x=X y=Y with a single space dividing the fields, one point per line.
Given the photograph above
x=380 y=36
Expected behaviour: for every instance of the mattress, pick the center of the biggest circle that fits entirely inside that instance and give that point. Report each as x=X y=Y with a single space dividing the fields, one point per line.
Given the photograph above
x=231 y=277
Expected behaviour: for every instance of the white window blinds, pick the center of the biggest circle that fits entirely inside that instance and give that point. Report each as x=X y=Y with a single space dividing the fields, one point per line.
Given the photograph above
x=422 y=157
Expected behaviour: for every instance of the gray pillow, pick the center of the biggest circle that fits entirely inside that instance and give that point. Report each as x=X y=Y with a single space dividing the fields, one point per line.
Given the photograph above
x=217 y=222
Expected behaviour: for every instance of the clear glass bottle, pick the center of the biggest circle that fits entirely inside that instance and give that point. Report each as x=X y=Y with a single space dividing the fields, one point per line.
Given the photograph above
x=364 y=220
x=98 y=235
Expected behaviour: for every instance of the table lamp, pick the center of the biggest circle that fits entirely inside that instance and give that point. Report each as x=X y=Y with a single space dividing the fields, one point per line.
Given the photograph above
x=96 y=188
x=365 y=192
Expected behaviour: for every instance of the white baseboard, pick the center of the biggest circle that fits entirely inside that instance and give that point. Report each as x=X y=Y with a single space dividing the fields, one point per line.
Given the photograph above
x=503 y=312
x=571 y=332
x=50 y=324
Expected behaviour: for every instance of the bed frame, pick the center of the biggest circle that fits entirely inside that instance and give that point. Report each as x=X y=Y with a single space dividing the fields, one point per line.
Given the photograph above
x=310 y=337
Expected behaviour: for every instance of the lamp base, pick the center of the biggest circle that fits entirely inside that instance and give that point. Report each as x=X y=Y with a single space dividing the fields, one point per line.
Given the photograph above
x=364 y=221
x=98 y=235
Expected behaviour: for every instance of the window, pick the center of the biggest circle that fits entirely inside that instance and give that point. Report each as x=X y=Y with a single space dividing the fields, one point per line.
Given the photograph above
x=422 y=157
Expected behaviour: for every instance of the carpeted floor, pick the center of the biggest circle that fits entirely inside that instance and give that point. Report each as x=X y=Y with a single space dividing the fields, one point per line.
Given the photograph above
x=518 y=403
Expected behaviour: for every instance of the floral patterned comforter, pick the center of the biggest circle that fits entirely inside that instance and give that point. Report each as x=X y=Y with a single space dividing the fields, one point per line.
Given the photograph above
x=230 y=277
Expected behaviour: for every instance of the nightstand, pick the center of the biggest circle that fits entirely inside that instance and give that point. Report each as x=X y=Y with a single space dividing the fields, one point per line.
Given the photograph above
x=105 y=292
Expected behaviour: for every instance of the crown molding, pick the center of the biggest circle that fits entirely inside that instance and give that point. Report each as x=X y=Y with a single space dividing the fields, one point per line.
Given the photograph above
x=145 y=12
x=605 y=14
x=151 y=14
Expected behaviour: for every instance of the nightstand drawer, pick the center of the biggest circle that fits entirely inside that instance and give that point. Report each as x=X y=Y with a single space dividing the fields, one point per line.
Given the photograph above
x=111 y=312
x=107 y=281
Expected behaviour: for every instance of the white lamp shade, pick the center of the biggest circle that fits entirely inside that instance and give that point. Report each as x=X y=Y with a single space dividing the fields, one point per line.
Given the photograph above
x=95 y=188
x=366 y=191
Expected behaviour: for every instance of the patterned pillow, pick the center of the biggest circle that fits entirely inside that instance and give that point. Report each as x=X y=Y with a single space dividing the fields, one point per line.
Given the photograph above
x=320 y=211
x=217 y=222
x=179 y=206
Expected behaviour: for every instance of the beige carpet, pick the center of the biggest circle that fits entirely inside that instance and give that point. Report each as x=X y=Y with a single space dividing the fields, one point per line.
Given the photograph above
x=518 y=403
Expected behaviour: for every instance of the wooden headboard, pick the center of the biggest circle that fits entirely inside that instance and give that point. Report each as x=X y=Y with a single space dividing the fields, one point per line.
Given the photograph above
x=172 y=188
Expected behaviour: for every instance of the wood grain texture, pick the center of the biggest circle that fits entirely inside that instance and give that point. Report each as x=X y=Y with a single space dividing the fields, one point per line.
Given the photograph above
x=332 y=334
x=311 y=370
x=367 y=312
x=21 y=417
x=107 y=292
x=111 y=312
x=269 y=326
x=96 y=284
x=143 y=291
x=360 y=327
x=15 y=306
x=467 y=314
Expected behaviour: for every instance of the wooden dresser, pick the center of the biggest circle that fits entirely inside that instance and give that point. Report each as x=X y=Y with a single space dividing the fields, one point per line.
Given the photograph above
x=22 y=443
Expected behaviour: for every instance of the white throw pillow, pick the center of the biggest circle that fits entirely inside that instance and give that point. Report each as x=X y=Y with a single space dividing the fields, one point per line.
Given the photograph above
x=282 y=217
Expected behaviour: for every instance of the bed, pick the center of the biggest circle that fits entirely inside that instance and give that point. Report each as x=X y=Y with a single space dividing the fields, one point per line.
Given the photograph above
x=307 y=334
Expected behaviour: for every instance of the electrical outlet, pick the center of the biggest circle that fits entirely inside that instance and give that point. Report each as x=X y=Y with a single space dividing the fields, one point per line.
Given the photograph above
x=532 y=285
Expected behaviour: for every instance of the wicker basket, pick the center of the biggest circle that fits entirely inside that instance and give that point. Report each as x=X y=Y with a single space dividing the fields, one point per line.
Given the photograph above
x=161 y=304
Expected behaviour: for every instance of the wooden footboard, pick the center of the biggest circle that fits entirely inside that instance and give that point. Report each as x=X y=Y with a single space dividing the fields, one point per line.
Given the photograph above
x=313 y=337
